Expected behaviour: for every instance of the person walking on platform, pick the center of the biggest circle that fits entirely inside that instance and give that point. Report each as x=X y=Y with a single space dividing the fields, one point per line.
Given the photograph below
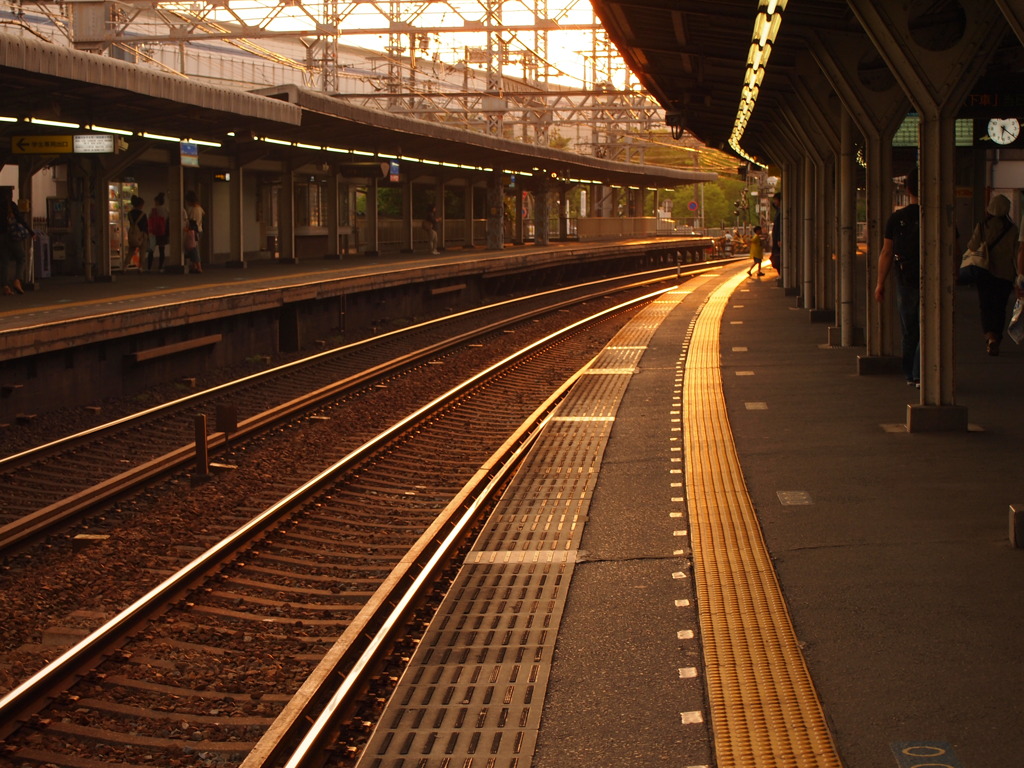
x=430 y=227
x=159 y=232
x=138 y=232
x=14 y=233
x=998 y=234
x=193 y=218
x=901 y=245
x=756 y=252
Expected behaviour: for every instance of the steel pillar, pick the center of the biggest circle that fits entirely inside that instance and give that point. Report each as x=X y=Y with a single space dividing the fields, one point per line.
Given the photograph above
x=935 y=58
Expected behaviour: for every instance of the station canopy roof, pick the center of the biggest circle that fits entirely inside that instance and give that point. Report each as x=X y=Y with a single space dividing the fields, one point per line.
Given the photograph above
x=691 y=55
x=56 y=83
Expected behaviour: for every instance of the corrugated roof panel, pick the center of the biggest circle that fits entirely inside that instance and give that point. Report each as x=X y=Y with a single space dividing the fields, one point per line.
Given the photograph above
x=43 y=58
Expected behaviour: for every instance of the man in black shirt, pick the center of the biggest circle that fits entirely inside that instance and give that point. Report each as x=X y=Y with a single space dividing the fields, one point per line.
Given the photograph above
x=901 y=247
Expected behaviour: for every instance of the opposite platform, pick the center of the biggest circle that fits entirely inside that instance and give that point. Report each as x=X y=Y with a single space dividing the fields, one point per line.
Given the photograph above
x=64 y=307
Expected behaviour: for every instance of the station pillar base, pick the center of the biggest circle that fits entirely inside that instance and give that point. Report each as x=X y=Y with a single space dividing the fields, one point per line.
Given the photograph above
x=936 y=418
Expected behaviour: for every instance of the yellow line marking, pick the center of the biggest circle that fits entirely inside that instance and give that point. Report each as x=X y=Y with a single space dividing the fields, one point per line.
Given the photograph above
x=765 y=712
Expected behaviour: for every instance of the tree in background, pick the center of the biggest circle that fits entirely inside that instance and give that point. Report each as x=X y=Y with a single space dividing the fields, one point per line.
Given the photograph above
x=719 y=197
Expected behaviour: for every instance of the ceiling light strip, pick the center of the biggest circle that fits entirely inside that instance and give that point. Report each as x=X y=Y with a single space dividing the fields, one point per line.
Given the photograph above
x=766 y=27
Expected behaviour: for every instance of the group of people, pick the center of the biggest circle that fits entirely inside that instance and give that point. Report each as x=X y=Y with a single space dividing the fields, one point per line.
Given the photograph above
x=146 y=232
x=995 y=235
x=15 y=234
x=152 y=231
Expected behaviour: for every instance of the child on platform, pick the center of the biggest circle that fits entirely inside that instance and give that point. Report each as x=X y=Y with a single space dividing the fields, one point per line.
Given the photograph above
x=756 y=252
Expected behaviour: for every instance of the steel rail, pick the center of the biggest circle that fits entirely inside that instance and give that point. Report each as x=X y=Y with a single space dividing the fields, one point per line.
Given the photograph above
x=30 y=695
x=16 y=458
x=300 y=733
x=14 y=533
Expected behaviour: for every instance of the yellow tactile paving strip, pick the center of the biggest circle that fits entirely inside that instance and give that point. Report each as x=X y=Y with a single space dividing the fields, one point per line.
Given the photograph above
x=765 y=712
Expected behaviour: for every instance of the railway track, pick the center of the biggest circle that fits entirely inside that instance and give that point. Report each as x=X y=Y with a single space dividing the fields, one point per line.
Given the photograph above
x=45 y=486
x=195 y=672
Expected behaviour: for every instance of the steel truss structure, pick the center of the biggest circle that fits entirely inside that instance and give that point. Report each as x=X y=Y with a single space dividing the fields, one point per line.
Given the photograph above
x=512 y=68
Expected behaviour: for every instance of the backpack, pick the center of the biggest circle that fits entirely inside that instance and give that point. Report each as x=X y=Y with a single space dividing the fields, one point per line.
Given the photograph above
x=906 y=246
x=157 y=224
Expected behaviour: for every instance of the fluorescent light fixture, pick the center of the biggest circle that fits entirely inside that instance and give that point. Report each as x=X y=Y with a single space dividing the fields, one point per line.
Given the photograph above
x=766 y=27
x=307 y=146
x=754 y=57
x=277 y=141
x=102 y=129
x=202 y=143
x=8 y=119
x=54 y=123
x=158 y=137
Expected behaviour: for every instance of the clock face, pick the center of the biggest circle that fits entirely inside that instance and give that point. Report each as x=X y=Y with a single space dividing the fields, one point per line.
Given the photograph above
x=1003 y=130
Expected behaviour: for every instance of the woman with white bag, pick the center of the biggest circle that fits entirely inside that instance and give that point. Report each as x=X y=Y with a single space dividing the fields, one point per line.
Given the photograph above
x=995 y=239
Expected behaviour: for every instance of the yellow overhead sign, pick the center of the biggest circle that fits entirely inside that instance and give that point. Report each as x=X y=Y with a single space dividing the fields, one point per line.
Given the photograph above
x=42 y=145
x=83 y=144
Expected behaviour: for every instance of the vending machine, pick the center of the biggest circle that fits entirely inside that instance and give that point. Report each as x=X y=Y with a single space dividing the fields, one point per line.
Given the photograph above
x=119 y=201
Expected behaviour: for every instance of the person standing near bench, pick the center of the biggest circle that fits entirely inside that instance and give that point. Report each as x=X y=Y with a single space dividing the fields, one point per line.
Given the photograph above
x=159 y=232
x=193 y=218
x=430 y=227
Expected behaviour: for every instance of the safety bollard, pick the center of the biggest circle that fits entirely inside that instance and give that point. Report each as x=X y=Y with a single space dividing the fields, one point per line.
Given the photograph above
x=202 y=449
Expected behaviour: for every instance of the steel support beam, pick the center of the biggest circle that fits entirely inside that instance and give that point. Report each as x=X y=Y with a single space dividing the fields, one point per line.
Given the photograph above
x=935 y=60
x=877 y=106
x=847 y=192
